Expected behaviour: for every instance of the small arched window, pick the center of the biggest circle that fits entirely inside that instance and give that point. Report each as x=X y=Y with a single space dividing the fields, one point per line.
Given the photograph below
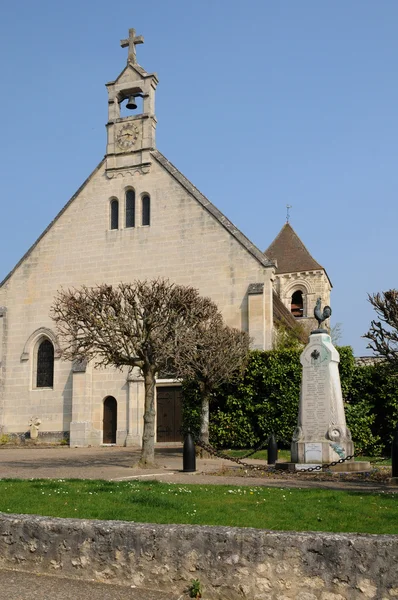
x=146 y=210
x=130 y=208
x=114 y=214
x=45 y=365
x=297 y=304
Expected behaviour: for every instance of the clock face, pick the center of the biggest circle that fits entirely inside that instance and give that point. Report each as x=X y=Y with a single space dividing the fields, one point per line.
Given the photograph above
x=127 y=136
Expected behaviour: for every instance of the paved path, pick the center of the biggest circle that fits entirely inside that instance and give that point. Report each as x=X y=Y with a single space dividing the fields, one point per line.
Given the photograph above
x=15 y=585
x=116 y=463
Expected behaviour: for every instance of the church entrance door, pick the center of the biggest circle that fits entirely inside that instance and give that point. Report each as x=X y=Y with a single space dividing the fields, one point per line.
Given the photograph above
x=169 y=414
x=109 y=423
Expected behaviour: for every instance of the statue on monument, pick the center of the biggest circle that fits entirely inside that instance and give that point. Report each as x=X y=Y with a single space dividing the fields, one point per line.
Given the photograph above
x=321 y=316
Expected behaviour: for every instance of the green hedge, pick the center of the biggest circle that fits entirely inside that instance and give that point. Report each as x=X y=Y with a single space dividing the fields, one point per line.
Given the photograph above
x=265 y=401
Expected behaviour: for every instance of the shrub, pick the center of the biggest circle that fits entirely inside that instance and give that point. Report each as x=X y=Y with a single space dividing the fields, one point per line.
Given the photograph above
x=265 y=400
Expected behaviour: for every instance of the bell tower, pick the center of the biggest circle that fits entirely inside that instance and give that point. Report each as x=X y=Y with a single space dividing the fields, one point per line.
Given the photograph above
x=132 y=137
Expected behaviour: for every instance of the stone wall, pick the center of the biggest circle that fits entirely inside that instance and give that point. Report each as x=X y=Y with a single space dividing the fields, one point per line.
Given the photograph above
x=231 y=563
x=184 y=242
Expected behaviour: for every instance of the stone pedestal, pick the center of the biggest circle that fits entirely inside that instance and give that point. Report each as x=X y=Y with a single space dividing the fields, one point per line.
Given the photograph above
x=321 y=435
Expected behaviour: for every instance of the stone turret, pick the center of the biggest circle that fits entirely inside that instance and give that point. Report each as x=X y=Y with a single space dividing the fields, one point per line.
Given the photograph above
x=299 y=278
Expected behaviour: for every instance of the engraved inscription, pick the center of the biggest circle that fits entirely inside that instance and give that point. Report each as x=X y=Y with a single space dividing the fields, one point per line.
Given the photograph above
x=315 y=415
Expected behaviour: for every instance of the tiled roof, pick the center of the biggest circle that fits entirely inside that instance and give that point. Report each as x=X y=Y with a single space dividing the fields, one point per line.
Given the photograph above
x=290 y=253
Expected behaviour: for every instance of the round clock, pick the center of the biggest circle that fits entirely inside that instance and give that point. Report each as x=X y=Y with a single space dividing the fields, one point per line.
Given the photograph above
x=127 y=136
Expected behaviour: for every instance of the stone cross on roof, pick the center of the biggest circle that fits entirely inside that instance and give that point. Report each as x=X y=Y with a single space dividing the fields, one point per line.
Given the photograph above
x=131 y=43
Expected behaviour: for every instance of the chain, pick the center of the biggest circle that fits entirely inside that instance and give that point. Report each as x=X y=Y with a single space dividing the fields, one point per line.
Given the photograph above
x=257 y=449
x=332 y=464
x=214 y=452
x=208 y=448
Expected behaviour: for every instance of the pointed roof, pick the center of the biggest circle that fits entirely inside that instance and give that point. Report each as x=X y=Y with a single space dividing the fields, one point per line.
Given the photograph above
x=290 y=253
x=128 y=69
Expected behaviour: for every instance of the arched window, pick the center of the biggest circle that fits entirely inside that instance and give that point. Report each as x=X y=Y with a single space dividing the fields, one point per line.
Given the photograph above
x=146 y=210
x=114 y=214
x=130 y=208
x=297 y=304
x=45 y=365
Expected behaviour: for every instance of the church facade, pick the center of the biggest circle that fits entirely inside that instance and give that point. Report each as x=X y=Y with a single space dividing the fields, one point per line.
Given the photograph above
x=135 y=217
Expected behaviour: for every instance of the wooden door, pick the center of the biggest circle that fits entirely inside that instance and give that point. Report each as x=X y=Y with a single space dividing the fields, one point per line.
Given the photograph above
x=109 y=424
x=168 y=414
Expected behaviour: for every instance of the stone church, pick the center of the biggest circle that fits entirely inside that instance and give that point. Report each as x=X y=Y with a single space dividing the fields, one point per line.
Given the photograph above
x=135 y=217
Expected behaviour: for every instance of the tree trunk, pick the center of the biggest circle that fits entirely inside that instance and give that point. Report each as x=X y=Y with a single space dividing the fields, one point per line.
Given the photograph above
x=204 y=419
x=148 y=436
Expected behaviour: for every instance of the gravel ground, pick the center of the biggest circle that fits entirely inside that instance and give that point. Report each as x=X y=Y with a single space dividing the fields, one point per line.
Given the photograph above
x=116 y=463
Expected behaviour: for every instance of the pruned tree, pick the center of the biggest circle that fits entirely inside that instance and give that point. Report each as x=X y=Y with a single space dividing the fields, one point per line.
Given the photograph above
x=383 y=333
x=215 y=354
x=143 y=324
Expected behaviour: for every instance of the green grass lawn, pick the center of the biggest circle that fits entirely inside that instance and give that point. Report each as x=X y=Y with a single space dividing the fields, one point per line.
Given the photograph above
x=285 y=456
x=155 y=502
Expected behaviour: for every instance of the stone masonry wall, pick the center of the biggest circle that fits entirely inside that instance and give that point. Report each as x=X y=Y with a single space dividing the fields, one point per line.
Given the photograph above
x=231 y=563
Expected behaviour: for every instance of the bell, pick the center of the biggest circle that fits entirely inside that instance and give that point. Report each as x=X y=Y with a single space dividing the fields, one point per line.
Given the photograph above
x=131 y=105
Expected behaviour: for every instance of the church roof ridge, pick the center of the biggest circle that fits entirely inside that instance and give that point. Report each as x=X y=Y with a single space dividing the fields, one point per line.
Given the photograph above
x=213 y=210
x=290 y=253
x=63 y=209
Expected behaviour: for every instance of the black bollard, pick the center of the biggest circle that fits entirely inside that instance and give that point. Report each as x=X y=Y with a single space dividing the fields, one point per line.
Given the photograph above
x=394 y=454
x=272 y=450
x=189 y=455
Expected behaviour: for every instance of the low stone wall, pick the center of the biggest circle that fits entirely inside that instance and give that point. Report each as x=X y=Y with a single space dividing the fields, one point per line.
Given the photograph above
x=231 y=563
x=44 y=437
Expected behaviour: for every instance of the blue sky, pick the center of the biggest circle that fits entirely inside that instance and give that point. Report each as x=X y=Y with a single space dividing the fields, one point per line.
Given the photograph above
x=260 y=104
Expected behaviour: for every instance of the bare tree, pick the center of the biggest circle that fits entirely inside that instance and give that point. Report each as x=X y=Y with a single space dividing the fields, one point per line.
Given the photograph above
x=142 y=324
x=383 y=333
x=214 y=355
x=336 y=333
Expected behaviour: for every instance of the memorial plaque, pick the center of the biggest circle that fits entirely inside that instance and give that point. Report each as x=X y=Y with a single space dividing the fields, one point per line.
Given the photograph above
x=313 y=452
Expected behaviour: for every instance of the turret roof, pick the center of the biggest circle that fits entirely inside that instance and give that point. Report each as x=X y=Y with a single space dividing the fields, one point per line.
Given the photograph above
x=290 y=253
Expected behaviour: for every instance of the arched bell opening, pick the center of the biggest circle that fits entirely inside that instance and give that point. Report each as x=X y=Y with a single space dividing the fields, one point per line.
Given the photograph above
x=133 y=105
x=297 y=304
x=109 y=423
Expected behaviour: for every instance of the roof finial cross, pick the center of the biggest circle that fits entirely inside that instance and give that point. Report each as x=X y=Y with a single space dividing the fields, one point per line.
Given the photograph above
x=132 y=41
x=288 y=207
